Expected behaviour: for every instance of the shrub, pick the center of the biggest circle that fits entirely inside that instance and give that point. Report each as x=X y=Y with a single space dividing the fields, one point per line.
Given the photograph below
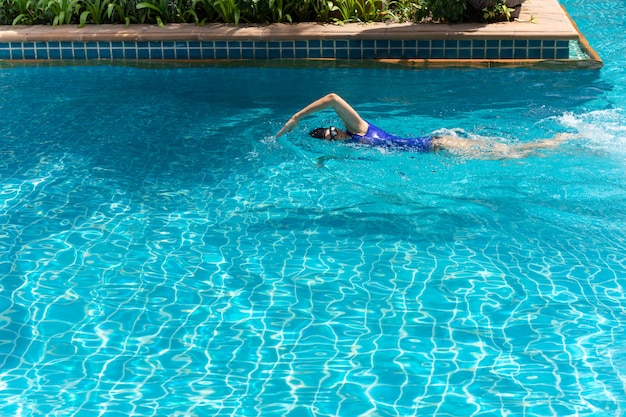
x=451 y=11
x=161 y=12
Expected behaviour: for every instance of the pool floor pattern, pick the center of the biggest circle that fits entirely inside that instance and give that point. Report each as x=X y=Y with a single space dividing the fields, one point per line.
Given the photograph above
x=229 y=299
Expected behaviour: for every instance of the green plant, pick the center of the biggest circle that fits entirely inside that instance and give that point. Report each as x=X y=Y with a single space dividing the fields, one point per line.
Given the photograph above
x=348 y=10
x=96 y=11
x=303 y=10
x=25 y=12
x=229 y=11
x=360 y=10
x=322 y=9
x=160 y=8
x=411 y=10
x=124 y=11
x=497 y=12
x=62 y=11
x=377 y=10
x=279 y=10
x=451 y=11
x=206 y=11
x=161 y=12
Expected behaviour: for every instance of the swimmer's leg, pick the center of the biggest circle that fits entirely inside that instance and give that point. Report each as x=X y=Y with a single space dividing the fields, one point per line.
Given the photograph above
x=556 y=141
x=473 y=149
x=488 y=149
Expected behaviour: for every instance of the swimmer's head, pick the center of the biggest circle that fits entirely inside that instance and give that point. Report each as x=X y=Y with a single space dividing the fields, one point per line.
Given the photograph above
x=327 y=133
x=318 y=133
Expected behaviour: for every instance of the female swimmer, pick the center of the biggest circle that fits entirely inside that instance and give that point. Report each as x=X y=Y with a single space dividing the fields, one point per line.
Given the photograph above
x=357 y=130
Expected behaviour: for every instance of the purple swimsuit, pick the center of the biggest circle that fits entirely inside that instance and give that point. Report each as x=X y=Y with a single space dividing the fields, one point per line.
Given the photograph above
x=375 y=136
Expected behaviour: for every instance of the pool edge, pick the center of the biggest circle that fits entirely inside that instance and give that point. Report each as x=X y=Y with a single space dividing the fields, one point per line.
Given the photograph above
x=464 y=44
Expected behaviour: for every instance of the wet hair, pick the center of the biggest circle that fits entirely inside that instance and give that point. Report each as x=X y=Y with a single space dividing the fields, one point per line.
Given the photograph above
x=318 y=133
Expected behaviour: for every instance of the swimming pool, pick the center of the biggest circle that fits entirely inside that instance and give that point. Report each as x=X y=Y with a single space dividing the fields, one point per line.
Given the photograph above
x=161 y=253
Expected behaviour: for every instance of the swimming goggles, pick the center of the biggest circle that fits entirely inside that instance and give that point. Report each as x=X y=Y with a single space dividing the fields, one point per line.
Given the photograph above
x=333 y=132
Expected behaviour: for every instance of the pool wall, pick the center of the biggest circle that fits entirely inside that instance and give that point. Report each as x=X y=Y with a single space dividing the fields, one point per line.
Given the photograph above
x=491 y=49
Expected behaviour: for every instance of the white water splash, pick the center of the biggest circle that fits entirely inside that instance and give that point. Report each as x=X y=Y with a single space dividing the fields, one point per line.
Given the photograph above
x=601 y=130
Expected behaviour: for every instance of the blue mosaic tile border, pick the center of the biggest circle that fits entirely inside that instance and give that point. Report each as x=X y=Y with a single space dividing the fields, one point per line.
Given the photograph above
x=303 y=49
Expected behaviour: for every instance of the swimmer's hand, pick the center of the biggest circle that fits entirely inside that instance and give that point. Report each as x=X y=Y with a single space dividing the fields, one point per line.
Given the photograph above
x=289 y=126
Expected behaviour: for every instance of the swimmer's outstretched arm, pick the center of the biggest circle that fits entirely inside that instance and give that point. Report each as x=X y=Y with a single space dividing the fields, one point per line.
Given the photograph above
x=354 y=123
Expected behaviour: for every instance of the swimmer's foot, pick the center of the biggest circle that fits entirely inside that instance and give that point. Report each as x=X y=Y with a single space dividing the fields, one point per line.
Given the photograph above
x=565 y=137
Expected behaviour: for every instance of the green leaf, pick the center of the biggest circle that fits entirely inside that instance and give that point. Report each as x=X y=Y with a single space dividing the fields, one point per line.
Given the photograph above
x=146 y=5
x=18 y=19
x=83 y=19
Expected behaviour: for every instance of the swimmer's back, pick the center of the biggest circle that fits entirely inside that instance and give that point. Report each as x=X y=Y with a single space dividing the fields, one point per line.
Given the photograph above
x=375 y=136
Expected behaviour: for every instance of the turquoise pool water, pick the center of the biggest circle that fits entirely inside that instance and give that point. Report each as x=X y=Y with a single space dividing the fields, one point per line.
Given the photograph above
x=162 y=254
